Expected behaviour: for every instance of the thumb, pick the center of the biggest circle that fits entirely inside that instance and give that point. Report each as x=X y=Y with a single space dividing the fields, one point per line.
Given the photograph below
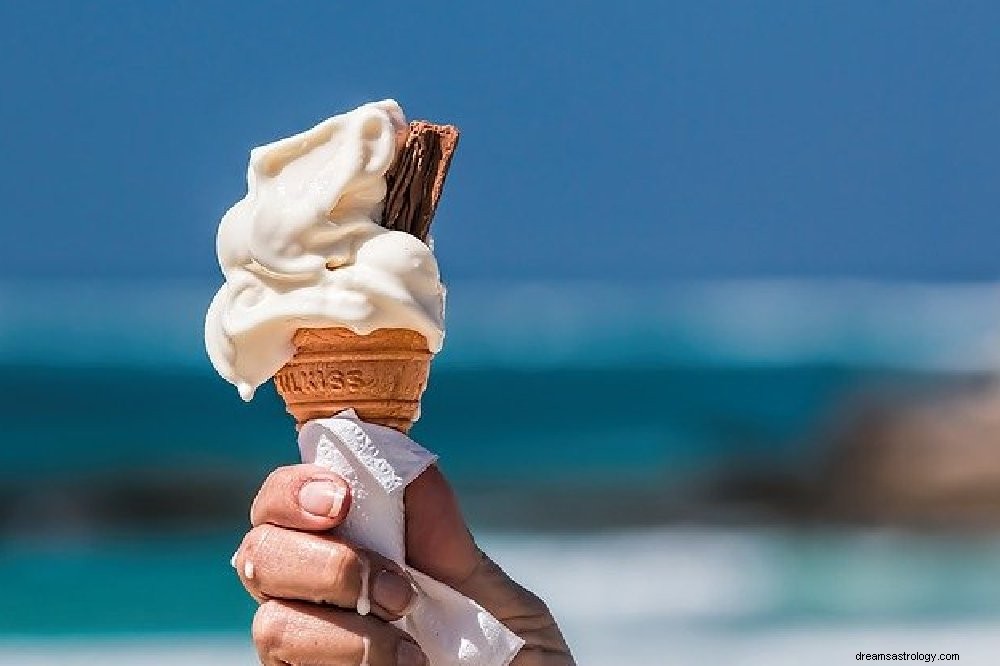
x=438 y=542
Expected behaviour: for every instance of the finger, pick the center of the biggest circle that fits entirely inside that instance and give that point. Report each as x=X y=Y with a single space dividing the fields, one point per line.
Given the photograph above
x=302 y=497
x=438 y=541
x=274 y=562
x=289 y=632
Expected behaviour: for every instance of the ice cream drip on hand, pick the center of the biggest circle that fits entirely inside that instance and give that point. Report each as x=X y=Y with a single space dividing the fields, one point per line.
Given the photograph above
x=303 y=249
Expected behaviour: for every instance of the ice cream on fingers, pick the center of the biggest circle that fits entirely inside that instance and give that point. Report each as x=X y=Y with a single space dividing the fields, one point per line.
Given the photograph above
x=342 y=311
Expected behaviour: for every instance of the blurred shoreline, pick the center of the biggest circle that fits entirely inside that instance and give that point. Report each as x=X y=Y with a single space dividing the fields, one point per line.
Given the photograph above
x=949 y=327
x=651 y=596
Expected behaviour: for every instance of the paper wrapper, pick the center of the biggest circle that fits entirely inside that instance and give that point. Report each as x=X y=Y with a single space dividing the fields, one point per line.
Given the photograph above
x=379 y=462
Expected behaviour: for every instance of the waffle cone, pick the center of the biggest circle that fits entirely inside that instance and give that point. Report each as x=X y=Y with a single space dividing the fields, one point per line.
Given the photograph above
x=381 y=375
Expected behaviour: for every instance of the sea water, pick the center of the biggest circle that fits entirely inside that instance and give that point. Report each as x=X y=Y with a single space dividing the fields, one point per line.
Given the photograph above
x=587 y=428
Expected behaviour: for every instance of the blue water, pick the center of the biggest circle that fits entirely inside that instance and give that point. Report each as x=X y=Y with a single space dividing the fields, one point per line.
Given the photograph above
x=572 y=422
x=126 y=465
x=723 y=580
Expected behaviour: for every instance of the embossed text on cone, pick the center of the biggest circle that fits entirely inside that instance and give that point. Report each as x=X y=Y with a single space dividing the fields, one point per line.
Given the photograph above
x=381 y=376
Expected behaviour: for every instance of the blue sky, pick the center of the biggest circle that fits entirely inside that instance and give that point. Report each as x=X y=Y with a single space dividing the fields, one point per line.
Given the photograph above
x=623 y=140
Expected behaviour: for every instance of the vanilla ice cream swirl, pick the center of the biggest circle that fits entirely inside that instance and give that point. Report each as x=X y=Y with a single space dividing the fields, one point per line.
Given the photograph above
x=302 y=249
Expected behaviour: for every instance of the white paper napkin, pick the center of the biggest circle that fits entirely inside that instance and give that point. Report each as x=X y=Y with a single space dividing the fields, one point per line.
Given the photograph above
x=378 y=463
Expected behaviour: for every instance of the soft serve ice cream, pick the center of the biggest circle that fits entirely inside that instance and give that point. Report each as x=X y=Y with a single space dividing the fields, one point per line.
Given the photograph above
x=303 y=250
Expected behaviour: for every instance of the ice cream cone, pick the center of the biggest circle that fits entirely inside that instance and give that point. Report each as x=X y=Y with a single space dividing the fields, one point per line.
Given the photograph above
x=381 y=375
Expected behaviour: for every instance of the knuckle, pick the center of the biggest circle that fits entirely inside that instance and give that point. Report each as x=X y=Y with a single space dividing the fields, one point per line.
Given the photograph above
x=270 y=625
x=270 y=489
x=342 y=570
x=536 y=604
x=253 y=553
x=280 y=476
x=245 y=547
x=253 y=542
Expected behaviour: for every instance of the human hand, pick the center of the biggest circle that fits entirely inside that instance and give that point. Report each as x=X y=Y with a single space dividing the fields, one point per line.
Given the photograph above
x=308 y=582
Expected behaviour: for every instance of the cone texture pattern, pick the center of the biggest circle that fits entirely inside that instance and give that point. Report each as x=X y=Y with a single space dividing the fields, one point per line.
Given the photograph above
x=381 y=375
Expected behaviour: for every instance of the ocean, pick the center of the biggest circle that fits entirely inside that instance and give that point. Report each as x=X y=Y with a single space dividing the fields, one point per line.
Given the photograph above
x=642 y=456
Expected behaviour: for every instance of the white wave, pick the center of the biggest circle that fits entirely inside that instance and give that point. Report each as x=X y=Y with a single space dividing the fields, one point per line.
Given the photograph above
x=686 y=577
x=690 y=596
x=905 y=325
x=656 y=575
x=179 y=650
x=792 y=645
